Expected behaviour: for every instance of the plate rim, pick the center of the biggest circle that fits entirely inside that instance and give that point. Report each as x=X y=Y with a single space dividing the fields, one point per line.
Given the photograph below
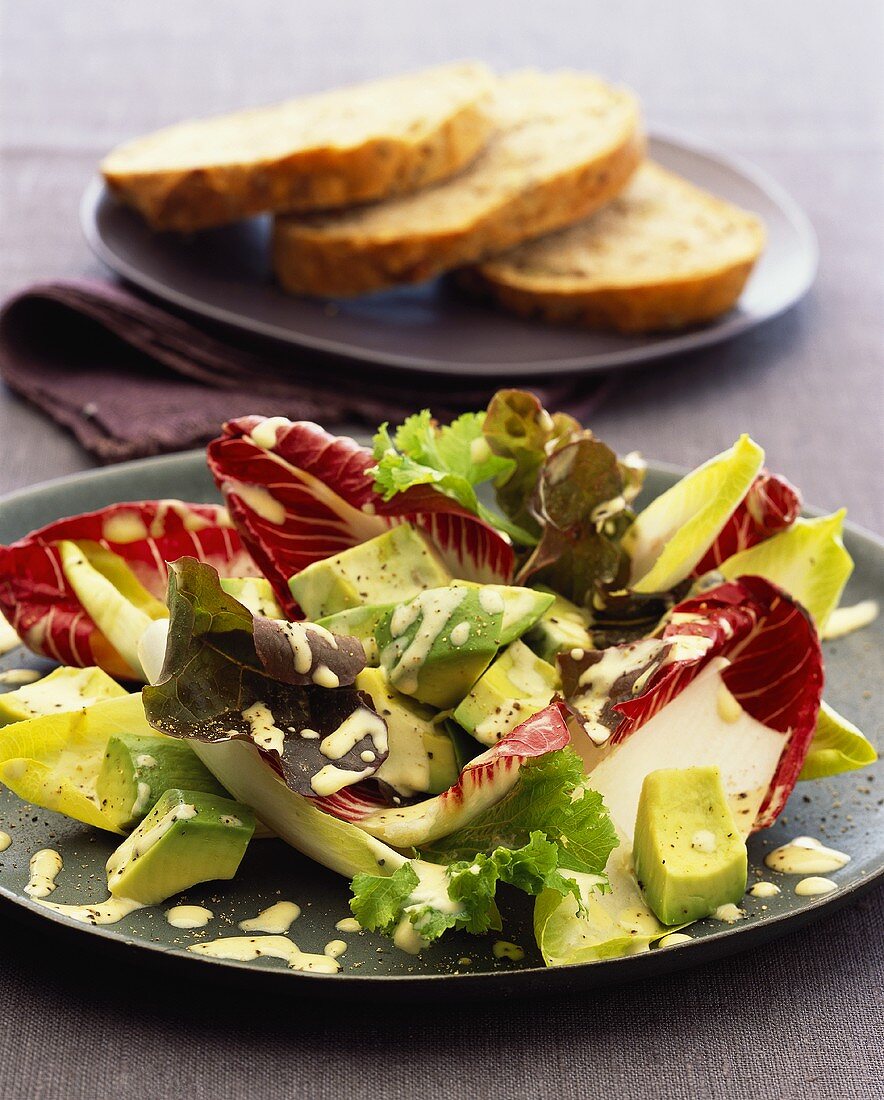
x=663 y=348
x=604 y=971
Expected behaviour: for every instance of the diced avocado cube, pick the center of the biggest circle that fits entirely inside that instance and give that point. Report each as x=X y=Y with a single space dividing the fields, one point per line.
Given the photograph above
x=188 y=837
x=138 y=767
x=561 y=628
x=424 y=757
x=387 y=569
x=517 y=685
x=522 y=607
x=361 y=623
x=437 y=645
x=688 y=852
x=254 y=593
x=64 y=689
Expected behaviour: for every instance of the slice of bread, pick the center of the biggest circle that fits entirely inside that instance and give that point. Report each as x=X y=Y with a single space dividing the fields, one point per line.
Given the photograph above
x=370 y=141
x=663 y=255
x=565 y=144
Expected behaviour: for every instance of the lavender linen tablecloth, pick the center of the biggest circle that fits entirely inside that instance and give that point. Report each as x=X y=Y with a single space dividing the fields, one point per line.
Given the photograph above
x=796 y=87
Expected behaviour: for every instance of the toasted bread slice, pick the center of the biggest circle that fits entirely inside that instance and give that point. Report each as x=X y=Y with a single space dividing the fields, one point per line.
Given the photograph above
x=370 y=141
x=662 y=255
x=565 y=144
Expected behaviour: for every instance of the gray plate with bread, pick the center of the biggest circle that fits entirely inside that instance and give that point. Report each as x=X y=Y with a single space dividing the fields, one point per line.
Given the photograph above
x=454 y=222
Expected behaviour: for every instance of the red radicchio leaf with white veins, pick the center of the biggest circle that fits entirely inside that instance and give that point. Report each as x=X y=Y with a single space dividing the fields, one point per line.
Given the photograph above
x=45 y=611
x=771 y=505
x=776 y=670
x=298 y=495
x=483 y=782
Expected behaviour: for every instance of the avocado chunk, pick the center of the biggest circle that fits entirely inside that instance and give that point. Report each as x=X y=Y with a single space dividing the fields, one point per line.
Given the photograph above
x=517 y=685
x=254 y=593
x=188 y=837
x=138 y=767
x=688 y=852
x=437 y=645
x=64 y=689
x=561 y=628
x=522 y=607
x=424 y=757
x=387 y=569
x=361 y=623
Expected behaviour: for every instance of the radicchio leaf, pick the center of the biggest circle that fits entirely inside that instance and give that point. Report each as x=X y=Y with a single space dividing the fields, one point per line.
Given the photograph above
x=230 y=675
x=771 y=505
x=298 y=495
x=40 y=603
x=775 y=671
x=482 y=783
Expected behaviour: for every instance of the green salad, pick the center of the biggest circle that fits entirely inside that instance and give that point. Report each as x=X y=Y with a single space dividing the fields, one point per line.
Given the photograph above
x=470 y=660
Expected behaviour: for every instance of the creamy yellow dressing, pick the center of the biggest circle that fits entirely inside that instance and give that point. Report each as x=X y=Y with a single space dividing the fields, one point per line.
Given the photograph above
x=810 y=887
x=262 y=729
x=844 y=620
x=5 y=840
x=264 y=435
x=19 y=676
x=435 y=606
x=356 y=727
x=729 y=913
x=123 y=527
x=276 y=919
x=248 y=948
x=674 y=939
x=331 y=779
x=257 y=498
x=765 y=890
x=324 y=677
x=334 y=949
x=189 y=916
x=805 y=855
x=348 y=924
x=45 y=866
x=598 y=679
x=704 y=840
x=104 y=912
x=503 y=949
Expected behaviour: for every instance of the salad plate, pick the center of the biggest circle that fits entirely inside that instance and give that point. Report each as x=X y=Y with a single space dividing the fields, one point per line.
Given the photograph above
x=224 y=276
x=843 y=811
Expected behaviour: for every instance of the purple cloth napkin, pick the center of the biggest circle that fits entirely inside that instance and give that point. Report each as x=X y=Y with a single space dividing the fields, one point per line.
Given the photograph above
x=129 y=378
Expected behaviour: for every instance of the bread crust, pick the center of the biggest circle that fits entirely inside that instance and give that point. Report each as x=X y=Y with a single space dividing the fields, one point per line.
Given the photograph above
x=317 y=178
x=661 y=303
x=654 y=307
x=307 y=262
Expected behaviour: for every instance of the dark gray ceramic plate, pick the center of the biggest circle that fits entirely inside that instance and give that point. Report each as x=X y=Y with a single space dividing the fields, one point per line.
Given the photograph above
x=224 y=275
x=846 y=812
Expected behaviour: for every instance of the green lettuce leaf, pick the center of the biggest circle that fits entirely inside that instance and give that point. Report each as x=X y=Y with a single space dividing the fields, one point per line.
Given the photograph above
x=808 y=560
x=837 y=746
x=548 y=799
x=546 y=828
x=454 y=459
x=669 y=538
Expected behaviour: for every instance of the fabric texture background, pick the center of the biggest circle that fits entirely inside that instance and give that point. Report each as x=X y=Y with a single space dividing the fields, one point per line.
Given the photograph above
x=131 y=379
x=794 y=86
